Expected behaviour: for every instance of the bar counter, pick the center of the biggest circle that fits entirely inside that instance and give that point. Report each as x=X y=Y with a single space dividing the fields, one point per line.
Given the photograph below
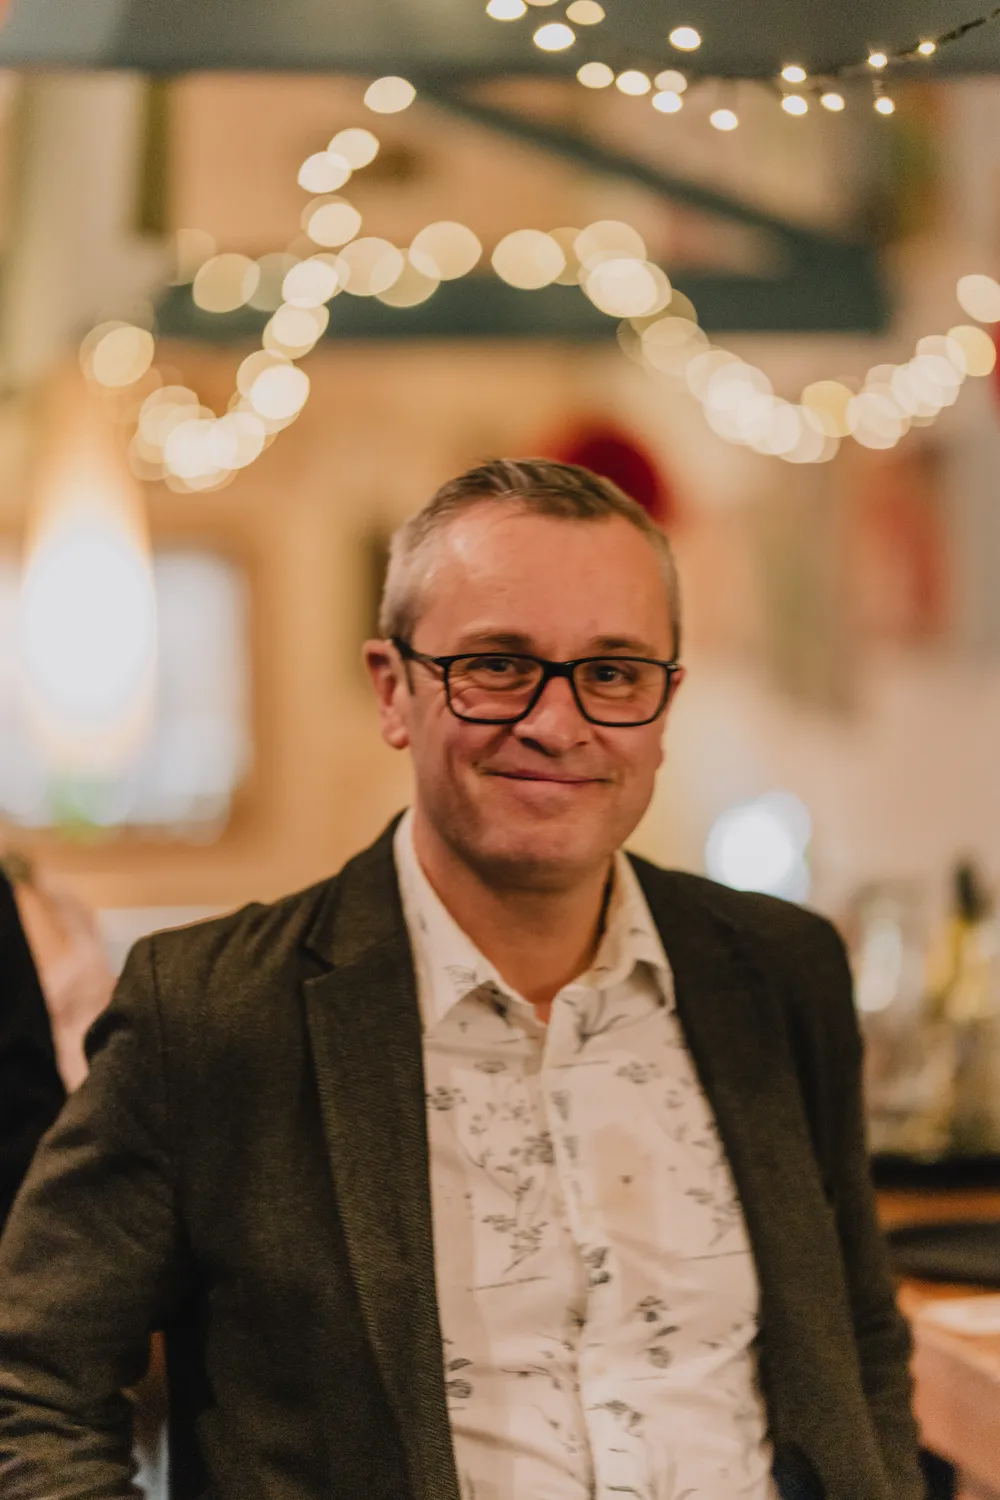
x=957 y=1376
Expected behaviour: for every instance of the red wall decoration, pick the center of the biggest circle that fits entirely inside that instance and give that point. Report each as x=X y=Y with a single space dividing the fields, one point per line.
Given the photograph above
x=615 y=454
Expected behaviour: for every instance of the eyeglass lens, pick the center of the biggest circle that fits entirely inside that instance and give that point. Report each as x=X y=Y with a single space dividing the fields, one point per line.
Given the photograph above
x=613 y=689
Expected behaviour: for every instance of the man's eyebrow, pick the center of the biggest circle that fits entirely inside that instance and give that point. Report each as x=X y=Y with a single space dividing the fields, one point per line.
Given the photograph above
x=514 y=640
x=506 y=640
x=624 y=643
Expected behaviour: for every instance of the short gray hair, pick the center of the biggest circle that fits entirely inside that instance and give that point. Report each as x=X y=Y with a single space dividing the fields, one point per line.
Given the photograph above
x=540 y=485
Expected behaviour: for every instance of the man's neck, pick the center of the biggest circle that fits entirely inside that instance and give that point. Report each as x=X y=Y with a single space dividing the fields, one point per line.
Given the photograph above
x=537 y=938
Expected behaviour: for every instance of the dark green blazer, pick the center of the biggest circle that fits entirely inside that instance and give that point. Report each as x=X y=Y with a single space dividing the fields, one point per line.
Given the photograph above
x=246 y=1169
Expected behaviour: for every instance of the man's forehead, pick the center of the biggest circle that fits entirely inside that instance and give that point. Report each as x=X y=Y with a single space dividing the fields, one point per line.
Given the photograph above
x=491 y=539
x=509 y=580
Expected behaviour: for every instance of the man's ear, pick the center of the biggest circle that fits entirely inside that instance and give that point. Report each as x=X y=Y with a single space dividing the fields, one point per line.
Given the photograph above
x=392 y=691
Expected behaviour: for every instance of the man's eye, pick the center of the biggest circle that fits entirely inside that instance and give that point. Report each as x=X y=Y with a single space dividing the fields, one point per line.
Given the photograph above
x=499 y=665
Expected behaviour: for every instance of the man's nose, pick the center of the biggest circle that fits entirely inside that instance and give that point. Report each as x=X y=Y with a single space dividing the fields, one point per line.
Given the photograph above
x=555 y=723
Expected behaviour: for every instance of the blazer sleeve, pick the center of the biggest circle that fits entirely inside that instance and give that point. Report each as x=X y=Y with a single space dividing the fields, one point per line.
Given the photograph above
x=882 y=1335
x=31 y=1091
x=89 y=1264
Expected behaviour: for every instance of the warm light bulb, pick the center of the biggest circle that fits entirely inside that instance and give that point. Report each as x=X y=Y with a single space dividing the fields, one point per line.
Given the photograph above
x=877 y=60
x=554 y=37
x=832 y=101
x=685 y=39
x=793 y=73
x=794 y=104
x=585 y=12
x=596 y=75
x=885 y=105
x=506 y=10
x=633 y=82
x=724 y=119
x=667 y=102
x=927 y=49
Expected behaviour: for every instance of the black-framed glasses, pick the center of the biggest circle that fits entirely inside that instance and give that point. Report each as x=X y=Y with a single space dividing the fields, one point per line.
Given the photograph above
x=502 y=687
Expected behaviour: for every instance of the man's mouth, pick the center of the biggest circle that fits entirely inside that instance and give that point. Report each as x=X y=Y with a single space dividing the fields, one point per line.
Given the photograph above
x=551 y=777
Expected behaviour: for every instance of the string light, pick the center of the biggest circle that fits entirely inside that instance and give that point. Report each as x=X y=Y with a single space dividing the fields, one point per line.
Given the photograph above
x=187 y=445
x=724 y=119
x=554 y=37
x=596 y=75
x=585 y=13
x=388 y=96
x=633 y=82
x=685 y=39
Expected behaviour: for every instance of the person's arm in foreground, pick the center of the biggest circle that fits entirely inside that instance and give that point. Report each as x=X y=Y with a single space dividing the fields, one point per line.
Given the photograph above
x=86 y=1265
x=31 y=1092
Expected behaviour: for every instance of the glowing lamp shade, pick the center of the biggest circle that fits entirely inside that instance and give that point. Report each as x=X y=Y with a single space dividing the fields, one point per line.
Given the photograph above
x=761 y=846
x=87 y=642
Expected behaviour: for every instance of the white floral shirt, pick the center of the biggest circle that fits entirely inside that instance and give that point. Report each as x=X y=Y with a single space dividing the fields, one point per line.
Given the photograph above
x=597 y=1293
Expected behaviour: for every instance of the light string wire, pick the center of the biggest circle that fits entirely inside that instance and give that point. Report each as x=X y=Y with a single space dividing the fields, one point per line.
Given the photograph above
x=177 y=439
x=819 y=84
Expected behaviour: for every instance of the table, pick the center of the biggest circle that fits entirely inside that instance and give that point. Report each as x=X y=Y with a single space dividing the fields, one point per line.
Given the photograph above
x=956 y=1377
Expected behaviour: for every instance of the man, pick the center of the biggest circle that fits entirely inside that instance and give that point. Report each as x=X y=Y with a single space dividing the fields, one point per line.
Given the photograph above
x=499 y=1165
x=31 y=1093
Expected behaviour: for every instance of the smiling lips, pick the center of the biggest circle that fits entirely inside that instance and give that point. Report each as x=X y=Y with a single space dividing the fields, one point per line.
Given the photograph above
x=550 y=780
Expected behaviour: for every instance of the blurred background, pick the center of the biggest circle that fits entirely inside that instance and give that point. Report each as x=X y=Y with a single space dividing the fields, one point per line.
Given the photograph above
x=271 y=274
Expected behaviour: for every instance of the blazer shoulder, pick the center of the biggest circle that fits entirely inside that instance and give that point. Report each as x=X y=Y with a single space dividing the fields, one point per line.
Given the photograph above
x=257 y=938
x=787 y=930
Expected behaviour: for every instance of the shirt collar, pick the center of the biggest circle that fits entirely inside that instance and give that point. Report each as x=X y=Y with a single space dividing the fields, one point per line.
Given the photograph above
x=450 y=967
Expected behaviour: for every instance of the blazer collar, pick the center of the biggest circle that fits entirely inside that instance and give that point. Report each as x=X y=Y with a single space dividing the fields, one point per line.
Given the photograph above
x=364 y=1029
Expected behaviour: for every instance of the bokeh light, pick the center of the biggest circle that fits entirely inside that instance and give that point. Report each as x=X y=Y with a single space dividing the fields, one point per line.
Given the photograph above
x=312 y=282
x=295 y=330
x=117 y=355
x=331 y=221
x=445 y=251
x=624 y=287
x=410 y=288
x=528 y=259
x=596 y=75
x=390 y=95
x=280 y=392
x=633 y=82
x=554 y=36
x=609 y=237
x=671 y=81
x=685 y=39
x=585 y=12
x=357 y=146
x=225 y=282
x=323 y=172
x=370 y=266
x=979 y=296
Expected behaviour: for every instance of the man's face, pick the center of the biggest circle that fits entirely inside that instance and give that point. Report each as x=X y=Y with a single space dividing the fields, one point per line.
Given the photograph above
x=545 y=801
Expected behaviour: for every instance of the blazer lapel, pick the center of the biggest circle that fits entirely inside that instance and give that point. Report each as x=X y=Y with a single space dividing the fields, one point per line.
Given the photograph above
x=364 y=1027
x=734 y=1025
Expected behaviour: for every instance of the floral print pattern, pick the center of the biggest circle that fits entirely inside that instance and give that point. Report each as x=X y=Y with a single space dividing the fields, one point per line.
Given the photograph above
x=596 y=1289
